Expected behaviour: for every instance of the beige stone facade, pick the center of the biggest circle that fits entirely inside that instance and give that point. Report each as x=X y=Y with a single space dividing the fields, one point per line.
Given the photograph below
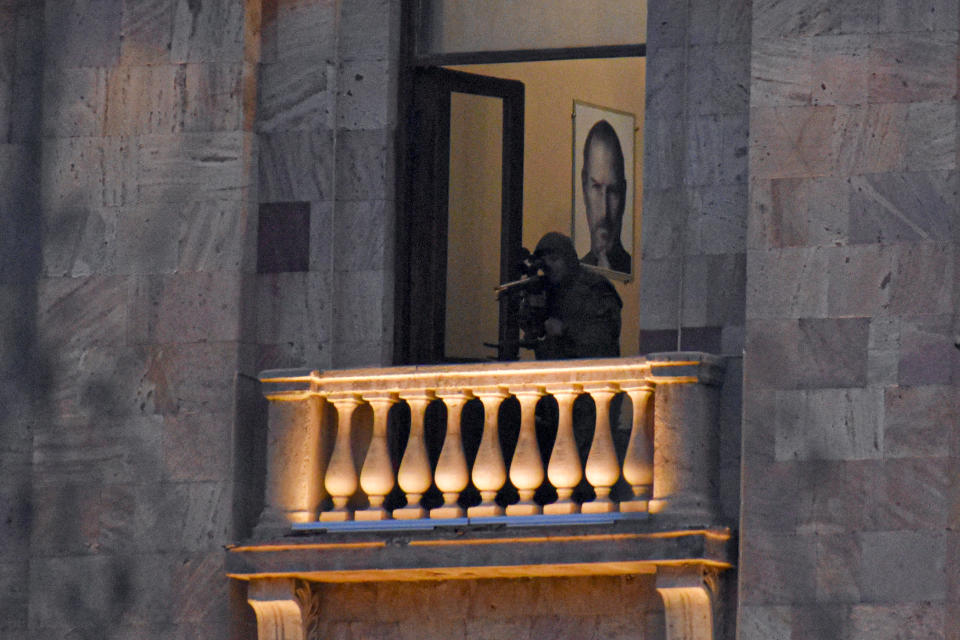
x=800 y=218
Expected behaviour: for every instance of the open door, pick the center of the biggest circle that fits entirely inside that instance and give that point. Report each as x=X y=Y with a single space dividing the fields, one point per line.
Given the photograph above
x=460 y=232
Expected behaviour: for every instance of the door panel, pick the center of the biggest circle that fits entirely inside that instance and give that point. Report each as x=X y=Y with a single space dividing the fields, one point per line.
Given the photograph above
x=423 y=254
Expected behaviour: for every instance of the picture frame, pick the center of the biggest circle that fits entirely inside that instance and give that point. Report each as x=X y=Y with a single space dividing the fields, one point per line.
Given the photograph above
x=599 y=244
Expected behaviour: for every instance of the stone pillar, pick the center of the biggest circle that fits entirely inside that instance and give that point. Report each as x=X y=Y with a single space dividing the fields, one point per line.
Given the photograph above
x=686 y=442
x=294 y=484
x=687 y=593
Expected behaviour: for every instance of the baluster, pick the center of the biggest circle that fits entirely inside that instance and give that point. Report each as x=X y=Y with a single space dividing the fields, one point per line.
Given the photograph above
x=638 y=461
x=341 y=478
x=489 y=471
x=376 y=477
x=414 y=474
x=564 y=469
x=526 y=468
x=602 y=468
x=452 y=475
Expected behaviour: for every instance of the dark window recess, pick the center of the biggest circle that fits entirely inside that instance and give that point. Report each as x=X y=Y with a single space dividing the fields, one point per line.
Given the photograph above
x=283 y=237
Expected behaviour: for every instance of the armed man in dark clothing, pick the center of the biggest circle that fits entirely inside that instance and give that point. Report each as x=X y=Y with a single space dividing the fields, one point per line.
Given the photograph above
x=582 y=309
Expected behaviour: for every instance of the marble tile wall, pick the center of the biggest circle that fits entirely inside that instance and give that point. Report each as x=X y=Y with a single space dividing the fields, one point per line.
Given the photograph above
x=850 y=399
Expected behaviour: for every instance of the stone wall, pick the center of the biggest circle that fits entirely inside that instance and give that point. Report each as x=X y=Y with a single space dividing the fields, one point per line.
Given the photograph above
x=147 y=189
x=850 y=401
x=325 y=125
x=22 y=367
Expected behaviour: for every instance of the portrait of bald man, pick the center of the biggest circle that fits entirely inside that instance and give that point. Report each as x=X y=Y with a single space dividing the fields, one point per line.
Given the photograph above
x=603 y=180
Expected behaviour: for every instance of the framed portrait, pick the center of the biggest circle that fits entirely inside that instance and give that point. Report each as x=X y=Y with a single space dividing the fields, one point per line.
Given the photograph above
x=603 y=188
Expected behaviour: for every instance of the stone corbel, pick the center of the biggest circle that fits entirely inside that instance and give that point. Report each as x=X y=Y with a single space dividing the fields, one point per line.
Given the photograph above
x=286 y=608
x=688 y=594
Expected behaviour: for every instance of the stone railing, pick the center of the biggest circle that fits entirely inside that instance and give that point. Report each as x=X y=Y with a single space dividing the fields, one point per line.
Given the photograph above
x=669 y=463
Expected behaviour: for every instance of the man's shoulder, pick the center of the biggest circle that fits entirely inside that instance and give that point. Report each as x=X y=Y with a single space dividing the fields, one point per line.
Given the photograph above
x=599 y=285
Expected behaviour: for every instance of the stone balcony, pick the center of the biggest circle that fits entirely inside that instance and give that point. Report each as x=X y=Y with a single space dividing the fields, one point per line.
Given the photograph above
x=495 y=470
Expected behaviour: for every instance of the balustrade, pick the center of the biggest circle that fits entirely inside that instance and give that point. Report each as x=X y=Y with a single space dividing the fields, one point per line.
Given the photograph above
x=667 y=462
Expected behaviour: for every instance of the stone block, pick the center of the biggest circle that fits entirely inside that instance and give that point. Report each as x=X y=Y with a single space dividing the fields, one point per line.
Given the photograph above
x=840 y=68
x=903 y=207
x=362 y=232
x=294 y=95
x=807 y=212
x=147 y=240
x=788 y=142
x=721 y=225
x=15 y=581
x=913 y=68
x=287 y=355
x=859 y=280
x=369 y=29
x=719 y=79
x=65 y=519
x=704 y=140
x=296 y=165
x=307 y=30
x=193 y=448
x=713 y=292
x=665 y=82
x=770 y=499
x=663 y=160
x=834 y=424
x=838 y=569
x=777 y=568
x=99 y=379
x=294 y=307
x=88 y=171
x=348 y=354
x=191 y=166
x=211 y=235
x=720 y=23
x=321 y=235
x=765 y=622
x=860 y=17
x=772 y=18
x=910 y=494
x=922 y=282
x=781 y=72
x=808 y=353
x=201 y=594
x=563 y=627
x=86 y=33
x=214 y=98
x=360 y=313
x=734 y=161
x=189 y=378
x=666 y=25
x=667 y=215
x=926 y=353
x=147 y=28
x=95 y=309
x=364 y=165
x=931 y=136
x=74 y=102
x=366 y=94
x=870 y=138
x=898 y=16
x=398 y=602
x=146 y=99
x=660 y=281
x=916 y=558
x=787 y=283
x=914 y=620
x=915 y=421
x=193 y=516
x=105 y=449
x=79 y=241
x=346 y=603
x=211 y=31
x=821 y=621
x=185 y=307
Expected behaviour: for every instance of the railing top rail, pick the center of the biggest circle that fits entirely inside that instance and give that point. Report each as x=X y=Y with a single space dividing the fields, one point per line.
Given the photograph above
x=653 y=368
